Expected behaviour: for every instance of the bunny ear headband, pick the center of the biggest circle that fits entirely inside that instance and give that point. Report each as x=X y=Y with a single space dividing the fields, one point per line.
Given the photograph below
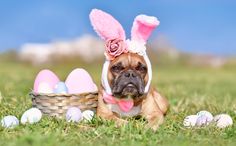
x=110 y=30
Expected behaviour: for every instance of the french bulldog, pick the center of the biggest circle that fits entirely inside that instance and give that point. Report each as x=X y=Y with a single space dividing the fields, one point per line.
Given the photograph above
x=127 y=72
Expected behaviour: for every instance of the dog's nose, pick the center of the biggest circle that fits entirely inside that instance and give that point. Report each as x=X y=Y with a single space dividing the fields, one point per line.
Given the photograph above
x=130 y=74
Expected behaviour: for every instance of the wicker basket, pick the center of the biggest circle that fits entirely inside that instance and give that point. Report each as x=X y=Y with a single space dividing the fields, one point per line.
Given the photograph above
x=57 y=104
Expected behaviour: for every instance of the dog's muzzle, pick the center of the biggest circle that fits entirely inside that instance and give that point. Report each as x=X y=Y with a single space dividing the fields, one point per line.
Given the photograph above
x=128 y=83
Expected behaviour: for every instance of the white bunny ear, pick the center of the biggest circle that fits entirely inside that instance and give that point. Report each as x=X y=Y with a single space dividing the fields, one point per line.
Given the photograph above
x=106 y=26
x=142 y=27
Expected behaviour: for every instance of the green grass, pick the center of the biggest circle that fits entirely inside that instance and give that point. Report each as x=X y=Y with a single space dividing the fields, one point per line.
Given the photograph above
x=188 y=89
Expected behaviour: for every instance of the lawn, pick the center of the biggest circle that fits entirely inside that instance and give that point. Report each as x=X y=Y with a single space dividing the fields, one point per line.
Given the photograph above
x=188 y=89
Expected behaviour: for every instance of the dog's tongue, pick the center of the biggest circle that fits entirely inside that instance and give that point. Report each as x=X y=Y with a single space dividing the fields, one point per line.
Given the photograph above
x=126 y=105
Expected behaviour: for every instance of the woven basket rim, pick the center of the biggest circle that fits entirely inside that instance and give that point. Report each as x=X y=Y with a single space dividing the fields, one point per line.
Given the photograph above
x=34 y=94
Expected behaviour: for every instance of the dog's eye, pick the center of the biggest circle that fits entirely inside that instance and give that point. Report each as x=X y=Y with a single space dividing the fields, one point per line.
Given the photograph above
x=141 y=68
x=117 y=68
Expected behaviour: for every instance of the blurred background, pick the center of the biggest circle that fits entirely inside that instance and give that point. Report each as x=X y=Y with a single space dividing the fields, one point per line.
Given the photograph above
x=44 y=33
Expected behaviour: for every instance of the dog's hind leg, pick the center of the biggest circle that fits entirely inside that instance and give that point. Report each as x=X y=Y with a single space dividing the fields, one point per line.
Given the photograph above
x=161 y=101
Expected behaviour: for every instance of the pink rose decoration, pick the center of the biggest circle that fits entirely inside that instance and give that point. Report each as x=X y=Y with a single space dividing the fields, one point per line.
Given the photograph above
x=114 y=48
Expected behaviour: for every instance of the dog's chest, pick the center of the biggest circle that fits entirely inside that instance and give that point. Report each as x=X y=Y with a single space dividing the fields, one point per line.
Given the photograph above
x=135 y=111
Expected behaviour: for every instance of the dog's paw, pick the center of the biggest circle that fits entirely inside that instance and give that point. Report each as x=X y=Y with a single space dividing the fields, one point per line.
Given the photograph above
x=153 y=127
x=154 y=122
x=120 y=122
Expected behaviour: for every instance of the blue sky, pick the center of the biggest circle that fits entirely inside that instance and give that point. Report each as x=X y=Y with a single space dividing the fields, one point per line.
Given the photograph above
x=202 y=26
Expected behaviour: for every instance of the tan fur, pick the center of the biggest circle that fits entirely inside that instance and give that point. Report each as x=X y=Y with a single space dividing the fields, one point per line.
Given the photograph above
x=153 y=105
x=129 y=60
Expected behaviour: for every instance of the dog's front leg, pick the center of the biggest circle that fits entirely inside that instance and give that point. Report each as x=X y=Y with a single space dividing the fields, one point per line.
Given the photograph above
x=152 y=112
x=154 y=120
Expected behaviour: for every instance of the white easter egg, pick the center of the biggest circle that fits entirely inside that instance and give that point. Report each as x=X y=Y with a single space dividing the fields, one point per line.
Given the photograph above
x=202 y=121
x=73 y=114
x=88 y=115
x=190 y=121
x=9 y=121
x=44 y=88
x=31 y=116
x=207 y=114
x=223 y=120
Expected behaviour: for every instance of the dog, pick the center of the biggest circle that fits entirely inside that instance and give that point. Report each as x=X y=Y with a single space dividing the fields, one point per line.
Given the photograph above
x=127 y=72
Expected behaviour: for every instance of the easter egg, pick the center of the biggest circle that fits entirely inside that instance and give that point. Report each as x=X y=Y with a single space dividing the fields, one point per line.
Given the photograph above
x=206 y=114
x=31 y=116
x=202 y=120
x=79 y=81
x=88 y=115
x=45 y=81
x=190 y=121
x=223 y=120
x=44 y=88
x=73 y=114
x=9 y=121
x=60 y=88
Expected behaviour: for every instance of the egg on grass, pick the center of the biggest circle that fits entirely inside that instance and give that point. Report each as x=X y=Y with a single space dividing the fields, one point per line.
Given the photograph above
x=73 y=114
x=207 y=114
x=223 y=120
x=88 y=115
x=9 y=121
x=31 y=116
x=204 y=118
x=190 y=121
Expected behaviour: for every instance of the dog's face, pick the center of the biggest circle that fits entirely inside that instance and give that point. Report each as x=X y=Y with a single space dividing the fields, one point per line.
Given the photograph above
x=127 y=75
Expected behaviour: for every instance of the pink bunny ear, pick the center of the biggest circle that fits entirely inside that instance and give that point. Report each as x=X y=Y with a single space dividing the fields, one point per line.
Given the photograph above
x=106 y=26
x=142 y=27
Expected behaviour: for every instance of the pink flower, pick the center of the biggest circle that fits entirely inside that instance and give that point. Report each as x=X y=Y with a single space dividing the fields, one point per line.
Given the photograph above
x=114 y=48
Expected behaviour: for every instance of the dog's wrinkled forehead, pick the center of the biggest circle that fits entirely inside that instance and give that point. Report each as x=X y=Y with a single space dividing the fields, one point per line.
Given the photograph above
x=128 y=60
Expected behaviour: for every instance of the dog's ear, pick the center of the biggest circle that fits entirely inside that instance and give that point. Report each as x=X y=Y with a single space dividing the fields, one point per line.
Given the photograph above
x=142 y=28
x=106 y=26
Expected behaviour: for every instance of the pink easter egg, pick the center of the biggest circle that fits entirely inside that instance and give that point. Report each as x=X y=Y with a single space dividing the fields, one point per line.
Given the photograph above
x=46 y=77
x=79 y=81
